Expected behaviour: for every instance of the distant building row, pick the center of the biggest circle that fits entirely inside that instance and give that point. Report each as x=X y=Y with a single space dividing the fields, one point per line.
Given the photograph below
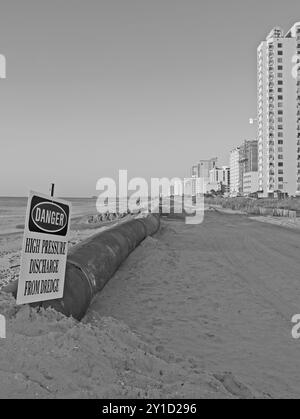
x=213 y=178
x=270 y=165
x=239 y=178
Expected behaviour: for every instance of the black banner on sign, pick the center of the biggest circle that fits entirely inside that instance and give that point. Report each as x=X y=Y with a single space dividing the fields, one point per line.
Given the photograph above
x=48 y=217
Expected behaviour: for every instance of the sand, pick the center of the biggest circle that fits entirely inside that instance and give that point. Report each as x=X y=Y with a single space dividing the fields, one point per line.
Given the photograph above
x=287 y=222
x=221 y=296
x=46 y=355
x=194 y=312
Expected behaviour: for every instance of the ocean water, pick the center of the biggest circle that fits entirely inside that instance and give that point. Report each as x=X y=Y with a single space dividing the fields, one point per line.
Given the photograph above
x=13 y=211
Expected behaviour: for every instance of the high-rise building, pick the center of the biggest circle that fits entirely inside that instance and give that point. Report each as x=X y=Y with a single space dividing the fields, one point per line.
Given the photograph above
x=194 y=171
x=201 y=170
x=249 y=156
x=235 y=175
x=219 y=179
x=243 y=159
x=250 y=183
x=278 y=108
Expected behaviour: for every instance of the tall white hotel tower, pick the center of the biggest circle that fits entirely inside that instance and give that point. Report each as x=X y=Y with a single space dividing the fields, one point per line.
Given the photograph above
x=278 y=96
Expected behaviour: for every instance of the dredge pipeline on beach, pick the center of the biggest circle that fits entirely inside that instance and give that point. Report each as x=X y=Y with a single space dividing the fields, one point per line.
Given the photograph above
x=91 y=263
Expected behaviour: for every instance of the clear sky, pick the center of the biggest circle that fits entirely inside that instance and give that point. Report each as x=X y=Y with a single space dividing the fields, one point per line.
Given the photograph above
x=150 y=86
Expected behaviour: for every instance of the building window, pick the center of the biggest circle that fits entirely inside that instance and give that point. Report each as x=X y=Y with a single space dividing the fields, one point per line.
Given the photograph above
x=280 y=179
x=280 y=82
x=280 y=164
x=280 y=67
x=280 y=52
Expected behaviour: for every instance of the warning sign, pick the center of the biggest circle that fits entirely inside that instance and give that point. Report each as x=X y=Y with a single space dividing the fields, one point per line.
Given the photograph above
x=44 y=251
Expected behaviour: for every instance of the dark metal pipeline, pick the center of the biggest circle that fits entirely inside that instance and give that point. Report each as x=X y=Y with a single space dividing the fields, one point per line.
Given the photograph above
x=91 y=263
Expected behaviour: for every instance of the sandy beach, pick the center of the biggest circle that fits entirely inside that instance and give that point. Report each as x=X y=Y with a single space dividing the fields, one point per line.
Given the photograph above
x=196 y=311
x=221 y=295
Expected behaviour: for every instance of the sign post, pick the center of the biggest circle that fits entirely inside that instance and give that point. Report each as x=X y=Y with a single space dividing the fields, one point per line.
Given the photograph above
x=45 y=248
x=52 y=189
x=2 y=327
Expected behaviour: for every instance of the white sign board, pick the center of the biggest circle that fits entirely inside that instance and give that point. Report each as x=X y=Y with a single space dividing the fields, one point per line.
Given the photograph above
x=45 y=248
